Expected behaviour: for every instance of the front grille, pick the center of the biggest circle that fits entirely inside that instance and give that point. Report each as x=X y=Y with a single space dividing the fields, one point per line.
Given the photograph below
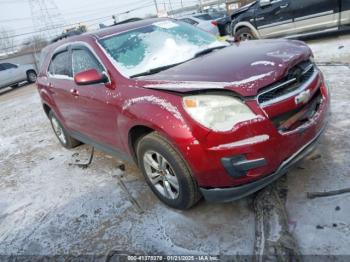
x=297 y=117
x=297 y=76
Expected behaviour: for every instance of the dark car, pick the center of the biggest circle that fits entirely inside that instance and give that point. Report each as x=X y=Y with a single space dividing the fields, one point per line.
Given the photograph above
x=199 y=117
x=289 y=18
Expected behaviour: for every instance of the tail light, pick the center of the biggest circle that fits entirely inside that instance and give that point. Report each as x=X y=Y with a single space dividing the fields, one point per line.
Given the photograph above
x=214 y=23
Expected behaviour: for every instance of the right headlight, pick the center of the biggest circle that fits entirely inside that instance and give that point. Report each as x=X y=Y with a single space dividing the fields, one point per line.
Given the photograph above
x=217 y=112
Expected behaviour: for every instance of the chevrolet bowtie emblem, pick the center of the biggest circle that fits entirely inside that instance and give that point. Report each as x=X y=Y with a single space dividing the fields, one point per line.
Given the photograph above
x=303 y=97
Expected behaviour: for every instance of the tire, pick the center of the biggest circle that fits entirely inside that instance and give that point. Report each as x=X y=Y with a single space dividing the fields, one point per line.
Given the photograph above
x=244 y=34
x=173 y=185
x=63 y=137
x=31 y=76
x=228 y=29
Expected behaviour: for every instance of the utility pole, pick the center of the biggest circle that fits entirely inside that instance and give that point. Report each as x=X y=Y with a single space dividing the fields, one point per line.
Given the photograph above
x=171 y=7
x=156 y=6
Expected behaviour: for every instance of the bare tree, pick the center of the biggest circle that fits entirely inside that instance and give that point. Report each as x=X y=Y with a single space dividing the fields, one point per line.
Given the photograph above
x=6 y=40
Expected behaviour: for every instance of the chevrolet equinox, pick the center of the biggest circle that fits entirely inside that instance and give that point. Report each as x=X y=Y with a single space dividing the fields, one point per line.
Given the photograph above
x=200 y=117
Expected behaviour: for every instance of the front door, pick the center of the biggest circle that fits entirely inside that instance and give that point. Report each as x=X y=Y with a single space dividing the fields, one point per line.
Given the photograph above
x=274 y=19
x=313 y=15
x=97 y=116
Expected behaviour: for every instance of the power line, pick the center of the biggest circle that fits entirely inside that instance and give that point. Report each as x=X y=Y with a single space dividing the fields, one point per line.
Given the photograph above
x=79 y=11
x=69 y=25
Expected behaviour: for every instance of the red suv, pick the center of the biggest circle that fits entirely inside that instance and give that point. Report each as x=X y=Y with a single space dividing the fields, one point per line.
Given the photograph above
x=200 y=117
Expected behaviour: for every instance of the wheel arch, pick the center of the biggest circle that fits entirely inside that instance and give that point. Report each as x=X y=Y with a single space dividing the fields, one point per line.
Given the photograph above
x=134 y=135
x=241 y=25
x=30 y=70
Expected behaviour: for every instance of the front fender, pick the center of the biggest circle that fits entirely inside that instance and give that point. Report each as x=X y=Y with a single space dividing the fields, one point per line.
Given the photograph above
x=155 y=113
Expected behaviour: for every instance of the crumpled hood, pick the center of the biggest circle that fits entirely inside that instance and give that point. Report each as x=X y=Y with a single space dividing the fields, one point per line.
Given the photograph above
x=244 y=68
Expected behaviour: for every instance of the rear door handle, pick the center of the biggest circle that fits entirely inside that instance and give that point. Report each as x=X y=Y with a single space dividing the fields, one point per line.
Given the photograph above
x=284 y=6
x=74 y=92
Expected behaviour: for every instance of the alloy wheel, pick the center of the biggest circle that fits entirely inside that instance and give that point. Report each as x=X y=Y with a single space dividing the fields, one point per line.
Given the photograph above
x=32 y=77
x=161 y=174
x=58 y=130
x=246 y=37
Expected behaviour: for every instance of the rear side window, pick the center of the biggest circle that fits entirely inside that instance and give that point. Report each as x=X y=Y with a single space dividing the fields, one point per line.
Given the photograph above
x=84 y=60
x=61 y=65
x=8 y=66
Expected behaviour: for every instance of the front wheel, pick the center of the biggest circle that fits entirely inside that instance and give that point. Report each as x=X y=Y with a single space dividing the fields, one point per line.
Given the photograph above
x=166 y=172
x=244 y=34
x=31 y=76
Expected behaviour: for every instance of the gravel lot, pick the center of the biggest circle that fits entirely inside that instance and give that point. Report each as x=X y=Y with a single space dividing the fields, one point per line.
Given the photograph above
x=49 y=207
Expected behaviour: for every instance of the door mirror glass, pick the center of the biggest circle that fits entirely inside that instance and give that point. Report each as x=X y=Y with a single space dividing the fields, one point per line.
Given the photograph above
x=90 y=77
x=265 y=3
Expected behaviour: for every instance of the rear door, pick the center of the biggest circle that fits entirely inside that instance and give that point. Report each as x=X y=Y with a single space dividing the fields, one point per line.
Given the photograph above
x=275 y=19
x=97 y=116
x=312 y=15
x=61 y=85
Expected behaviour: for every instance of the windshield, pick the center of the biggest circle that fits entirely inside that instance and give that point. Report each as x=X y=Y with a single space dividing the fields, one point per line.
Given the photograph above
x=157 y=45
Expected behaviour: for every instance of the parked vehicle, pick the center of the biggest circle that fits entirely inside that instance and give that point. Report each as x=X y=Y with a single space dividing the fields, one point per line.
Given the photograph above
x=203 y=21
x=222 y=19
x=12 y=74
x=289 y=18
x=199 y=117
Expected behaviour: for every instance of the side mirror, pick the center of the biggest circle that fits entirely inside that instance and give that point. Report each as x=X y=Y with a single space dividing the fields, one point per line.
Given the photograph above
x=90 y=77
x=264 y=3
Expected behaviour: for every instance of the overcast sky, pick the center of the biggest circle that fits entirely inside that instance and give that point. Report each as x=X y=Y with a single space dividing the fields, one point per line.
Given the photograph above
x=16 y=15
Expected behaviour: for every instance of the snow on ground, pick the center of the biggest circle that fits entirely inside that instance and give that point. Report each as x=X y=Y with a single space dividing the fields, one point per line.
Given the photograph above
x=49 y=207
x=331 y=49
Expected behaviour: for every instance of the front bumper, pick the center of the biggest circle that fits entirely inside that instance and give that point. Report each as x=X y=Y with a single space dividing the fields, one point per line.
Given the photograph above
x=233 y=193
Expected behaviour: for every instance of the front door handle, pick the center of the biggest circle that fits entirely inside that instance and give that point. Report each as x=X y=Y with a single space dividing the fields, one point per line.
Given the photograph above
x=74 y=92
x=284 y=6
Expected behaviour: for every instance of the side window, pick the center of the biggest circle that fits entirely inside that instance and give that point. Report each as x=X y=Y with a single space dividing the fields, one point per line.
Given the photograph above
x=84 y=60
x=2 y=67
x=189 y=21
x=60 y=64
x=8 y=66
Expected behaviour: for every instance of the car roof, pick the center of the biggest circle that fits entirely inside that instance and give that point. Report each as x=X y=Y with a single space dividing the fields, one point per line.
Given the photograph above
x=101 y=33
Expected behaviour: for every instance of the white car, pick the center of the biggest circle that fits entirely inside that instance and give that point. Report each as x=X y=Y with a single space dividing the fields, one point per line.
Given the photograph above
x=13 y=74
x=203 y=21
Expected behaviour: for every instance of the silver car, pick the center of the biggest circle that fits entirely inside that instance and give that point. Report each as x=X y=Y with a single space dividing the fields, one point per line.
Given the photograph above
x=13 y=74
x=203 y=21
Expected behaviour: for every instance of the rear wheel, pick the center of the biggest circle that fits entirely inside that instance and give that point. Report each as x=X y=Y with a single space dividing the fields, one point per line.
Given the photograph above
x=244 y=34
x=65 y=139
x=31 y=76
x=166 y=172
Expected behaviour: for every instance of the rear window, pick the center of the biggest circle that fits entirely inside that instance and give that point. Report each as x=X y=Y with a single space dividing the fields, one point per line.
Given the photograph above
x=205 y=17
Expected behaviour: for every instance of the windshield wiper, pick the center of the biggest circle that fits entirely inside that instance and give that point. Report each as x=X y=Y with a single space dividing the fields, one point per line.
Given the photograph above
x=162 y=68
x=208 y=50
x=156 y=70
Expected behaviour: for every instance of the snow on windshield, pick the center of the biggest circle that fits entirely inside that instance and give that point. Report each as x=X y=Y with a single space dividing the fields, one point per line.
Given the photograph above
x=160 y=44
